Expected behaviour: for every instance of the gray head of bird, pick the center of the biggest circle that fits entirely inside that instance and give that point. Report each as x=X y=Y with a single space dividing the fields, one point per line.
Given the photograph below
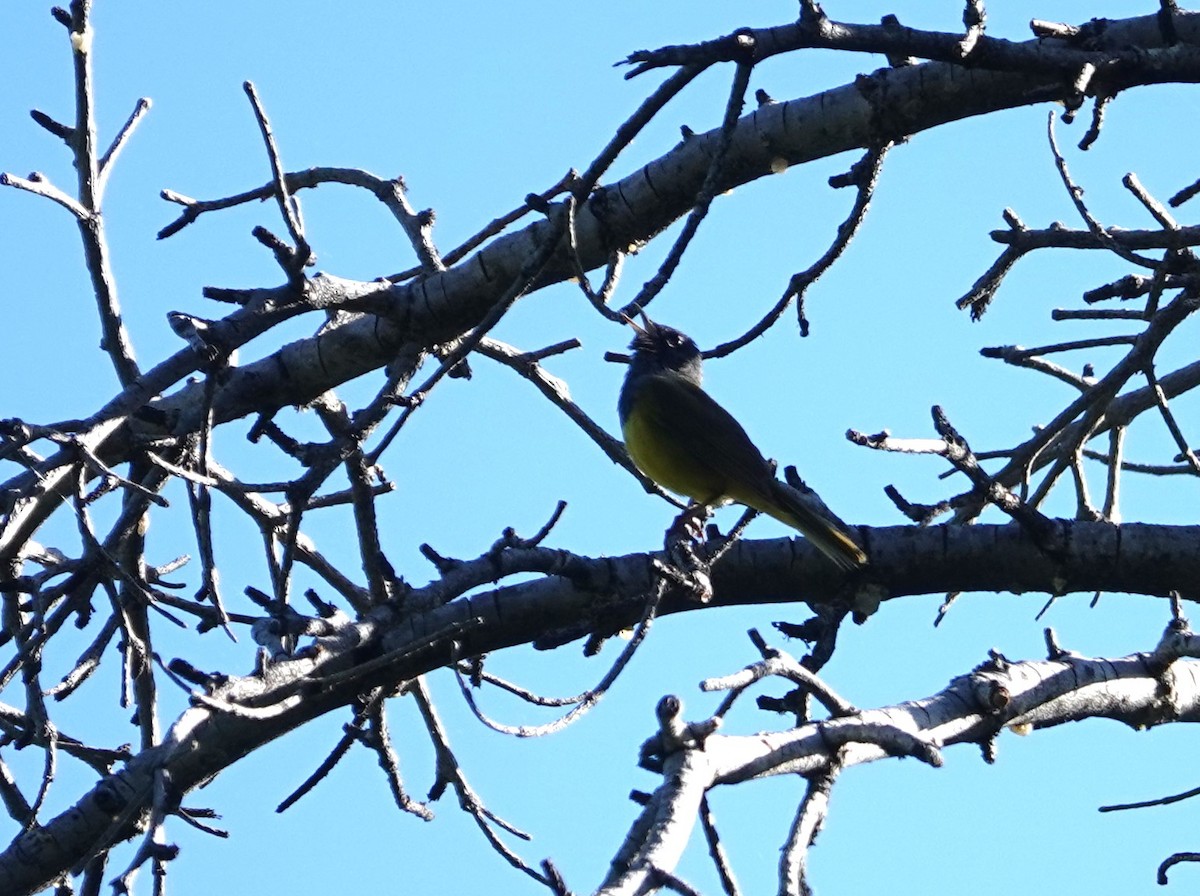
x=658 y=348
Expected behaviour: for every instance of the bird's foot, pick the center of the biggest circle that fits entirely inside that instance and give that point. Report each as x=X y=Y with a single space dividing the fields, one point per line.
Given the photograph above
x=684 y=536
x=689 y=524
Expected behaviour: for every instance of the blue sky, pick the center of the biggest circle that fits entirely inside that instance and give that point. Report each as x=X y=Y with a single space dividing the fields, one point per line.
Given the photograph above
x=478 y=105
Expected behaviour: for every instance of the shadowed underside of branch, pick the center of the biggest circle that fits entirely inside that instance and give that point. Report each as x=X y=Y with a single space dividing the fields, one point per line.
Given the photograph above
x=234 y=717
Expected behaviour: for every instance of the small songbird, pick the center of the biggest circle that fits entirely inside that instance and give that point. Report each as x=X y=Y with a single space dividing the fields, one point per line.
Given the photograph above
x=687 y=443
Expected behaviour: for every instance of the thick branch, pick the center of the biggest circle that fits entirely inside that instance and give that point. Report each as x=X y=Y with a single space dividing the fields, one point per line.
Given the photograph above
x=236 y=717
x=974 y=708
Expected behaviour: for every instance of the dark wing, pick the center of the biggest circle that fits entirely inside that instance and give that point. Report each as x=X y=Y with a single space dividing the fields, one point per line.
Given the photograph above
x=713 y=445
x=710 y=437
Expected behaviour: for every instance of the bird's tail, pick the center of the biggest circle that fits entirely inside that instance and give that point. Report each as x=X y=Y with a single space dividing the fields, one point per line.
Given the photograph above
x=805 y=511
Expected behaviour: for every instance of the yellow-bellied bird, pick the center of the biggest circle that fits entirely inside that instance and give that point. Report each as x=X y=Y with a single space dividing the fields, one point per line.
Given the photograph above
x=687 y=443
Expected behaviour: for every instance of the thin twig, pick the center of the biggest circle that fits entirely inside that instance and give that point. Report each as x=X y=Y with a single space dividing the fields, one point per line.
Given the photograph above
x=810 y=817
x=1160 y=399
x=716 y=850
x=449 y=773
x=289 y=206
x=140 y=108
x=708 y=191
x=556 y=391
x=588 y=698
x=864 y=175
x=1075 y=192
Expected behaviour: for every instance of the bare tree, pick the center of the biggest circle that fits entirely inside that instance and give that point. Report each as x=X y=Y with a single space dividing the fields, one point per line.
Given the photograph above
x=361 y=634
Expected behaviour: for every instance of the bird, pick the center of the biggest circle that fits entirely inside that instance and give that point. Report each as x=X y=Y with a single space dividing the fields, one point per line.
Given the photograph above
x=681 y=438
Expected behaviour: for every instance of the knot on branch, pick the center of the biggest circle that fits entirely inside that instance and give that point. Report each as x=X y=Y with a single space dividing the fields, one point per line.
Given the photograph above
x=279 y=632
x=674 y=734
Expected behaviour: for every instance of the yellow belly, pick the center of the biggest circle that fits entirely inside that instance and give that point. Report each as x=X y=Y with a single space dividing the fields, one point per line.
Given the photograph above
x=675 y=466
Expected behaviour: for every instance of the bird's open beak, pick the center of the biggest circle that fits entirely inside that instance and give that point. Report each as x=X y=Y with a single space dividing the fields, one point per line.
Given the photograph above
x=644 y=327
